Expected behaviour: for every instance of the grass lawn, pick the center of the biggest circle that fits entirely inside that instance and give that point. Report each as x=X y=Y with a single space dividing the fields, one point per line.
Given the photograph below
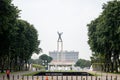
x=32 y=73
x=94 y=74
x=2 y=73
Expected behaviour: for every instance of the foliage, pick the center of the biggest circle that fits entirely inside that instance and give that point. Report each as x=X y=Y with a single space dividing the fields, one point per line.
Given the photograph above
x=38 y=66
x=41 y=59
x=32 y=73
x=104 y=33
x=82 y=63
x=35 y=61
x=18 y=38
x=46 y=57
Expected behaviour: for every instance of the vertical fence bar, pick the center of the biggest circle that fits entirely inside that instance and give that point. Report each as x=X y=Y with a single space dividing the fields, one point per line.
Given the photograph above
x=22 y=78
x=91 y=78
x=76 y=77
x=111 y=77
x=61 y=77
x=96 y=78
x=13 y=77
x=115 y=78
x=3 y=77
x=32 y=78
x=42 y=77
x=57 y=77
x=99 y=79
x=86 y=77
x=37 y=77
x=81 y=78
x=51 y=77
x=17 y=76
x=106 y=77
x=71 y=77
x=27 y=77
x=66 y=77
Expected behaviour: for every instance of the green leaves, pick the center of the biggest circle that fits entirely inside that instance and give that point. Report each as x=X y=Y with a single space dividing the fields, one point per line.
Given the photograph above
x=103 y=32
x=46 y=57
x=18 y=38
x=82 y=63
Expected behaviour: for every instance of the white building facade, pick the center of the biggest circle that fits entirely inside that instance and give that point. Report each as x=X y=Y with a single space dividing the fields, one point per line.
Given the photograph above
x=64 y=60
x=64 y=56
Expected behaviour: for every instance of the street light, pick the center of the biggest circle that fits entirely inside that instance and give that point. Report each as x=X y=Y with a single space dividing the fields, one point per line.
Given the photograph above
x=45 y=63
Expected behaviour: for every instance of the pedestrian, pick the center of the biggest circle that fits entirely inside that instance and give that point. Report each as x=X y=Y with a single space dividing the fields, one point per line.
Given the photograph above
x=8 y=74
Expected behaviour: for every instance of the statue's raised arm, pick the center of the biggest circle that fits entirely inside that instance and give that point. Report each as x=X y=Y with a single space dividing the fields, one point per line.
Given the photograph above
x=59 y=34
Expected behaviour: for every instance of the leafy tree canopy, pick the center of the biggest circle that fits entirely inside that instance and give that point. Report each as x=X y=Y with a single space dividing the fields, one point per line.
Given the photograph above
x=83 y=63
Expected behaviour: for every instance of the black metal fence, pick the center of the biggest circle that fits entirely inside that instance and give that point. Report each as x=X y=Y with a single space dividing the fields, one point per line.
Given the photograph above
x=13 y=77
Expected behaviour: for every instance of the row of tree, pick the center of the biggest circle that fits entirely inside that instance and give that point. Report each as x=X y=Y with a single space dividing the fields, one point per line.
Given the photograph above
x=43 y=60
x=104 y=37
x=18 y=38
x=82 y=63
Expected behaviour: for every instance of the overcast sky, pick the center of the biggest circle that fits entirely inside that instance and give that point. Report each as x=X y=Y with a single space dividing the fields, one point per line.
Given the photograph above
x=67 y=16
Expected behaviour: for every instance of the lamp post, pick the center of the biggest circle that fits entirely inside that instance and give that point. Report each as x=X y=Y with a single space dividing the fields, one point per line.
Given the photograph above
x=45 y=64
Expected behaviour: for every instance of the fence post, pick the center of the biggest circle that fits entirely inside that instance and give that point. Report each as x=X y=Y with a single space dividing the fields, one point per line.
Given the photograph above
x=66 y=77
x=115 y=78
x=17 y=76
x=81 y=78
x=22 y=78
x=106 y=77
x=42 y=77
x=71 y=77
x=37 y=78
x=51 y=77
x=99 y=78
x=86 y=78
x=61 y=77
x=13 y=77
x=57 y=77
x=3 y=77
x=32 y=78
x=27 y=77
x=76 y=77
x=91 y=78
x=96 y=78
x=111 y=77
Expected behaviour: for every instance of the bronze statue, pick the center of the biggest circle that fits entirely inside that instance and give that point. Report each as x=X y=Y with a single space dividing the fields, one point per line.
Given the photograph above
x=59 y=34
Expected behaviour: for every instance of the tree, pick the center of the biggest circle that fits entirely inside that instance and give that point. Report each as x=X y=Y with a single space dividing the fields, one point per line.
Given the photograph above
x=26 y=41
x=46 y=57
x=18 y=38
x=82 y=63
x=8 y=16
x=45 y=60
x=104 y=35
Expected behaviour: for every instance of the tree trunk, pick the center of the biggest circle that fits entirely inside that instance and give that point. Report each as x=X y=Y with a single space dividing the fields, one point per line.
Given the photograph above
x=115 y=62
x=2 y=67
x=112 y=67
x=119 y=63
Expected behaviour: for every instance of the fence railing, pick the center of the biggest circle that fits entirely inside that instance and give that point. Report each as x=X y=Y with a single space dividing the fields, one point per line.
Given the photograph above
x=18 y=77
